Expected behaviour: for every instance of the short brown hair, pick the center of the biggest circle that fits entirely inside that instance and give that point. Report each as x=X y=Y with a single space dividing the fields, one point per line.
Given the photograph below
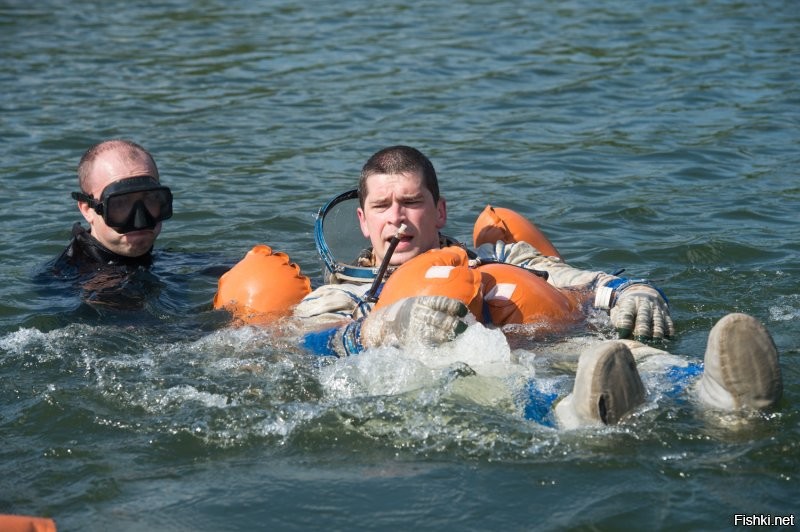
x=399 y=160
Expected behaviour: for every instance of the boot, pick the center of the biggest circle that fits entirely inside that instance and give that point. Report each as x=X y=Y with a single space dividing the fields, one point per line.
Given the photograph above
x=741 y=366
x=607 y=387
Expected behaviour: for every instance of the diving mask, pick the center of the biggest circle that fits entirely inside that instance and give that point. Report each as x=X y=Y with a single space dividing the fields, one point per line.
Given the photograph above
x=131 y=204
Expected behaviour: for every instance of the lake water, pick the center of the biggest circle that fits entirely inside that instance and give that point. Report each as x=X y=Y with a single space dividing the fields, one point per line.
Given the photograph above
x=662 y=137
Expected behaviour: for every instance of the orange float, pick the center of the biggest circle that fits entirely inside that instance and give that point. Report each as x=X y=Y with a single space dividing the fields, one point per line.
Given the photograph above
x=498 y=223
x=515 y=295
x=439 y=272
x=24 y=523
x=262 y=287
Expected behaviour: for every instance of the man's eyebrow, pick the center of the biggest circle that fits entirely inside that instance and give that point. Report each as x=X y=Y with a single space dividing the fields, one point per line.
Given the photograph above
x=415 y=195
x=377 y=199
x=412 y=196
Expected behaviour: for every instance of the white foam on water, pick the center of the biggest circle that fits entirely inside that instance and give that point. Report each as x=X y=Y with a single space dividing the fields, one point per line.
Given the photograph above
x=25 y=341
x=392 y=371
x=185 y=393
x=89 y=344
x=228 y=341
x=16 y=341
x=227 y=351
x=787 y=308
x=483 y=349
x=382 y=371
x=283 y=422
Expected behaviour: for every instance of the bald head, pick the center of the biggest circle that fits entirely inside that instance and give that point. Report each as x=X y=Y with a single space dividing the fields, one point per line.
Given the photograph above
x=116 y=151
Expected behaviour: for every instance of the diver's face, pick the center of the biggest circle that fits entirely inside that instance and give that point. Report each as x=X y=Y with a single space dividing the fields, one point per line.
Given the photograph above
x=108 y=168
x=396 y=199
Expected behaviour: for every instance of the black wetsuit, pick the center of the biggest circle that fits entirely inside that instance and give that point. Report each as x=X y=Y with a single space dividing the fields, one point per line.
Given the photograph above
x=104 y=277
x=86 y=254
x=87 y=282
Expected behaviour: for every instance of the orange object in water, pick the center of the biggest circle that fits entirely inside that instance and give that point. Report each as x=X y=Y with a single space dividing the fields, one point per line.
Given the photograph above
x=516 y=295
x=438 y=272
x=498 y=223
x=24 y=523
x=262 y=287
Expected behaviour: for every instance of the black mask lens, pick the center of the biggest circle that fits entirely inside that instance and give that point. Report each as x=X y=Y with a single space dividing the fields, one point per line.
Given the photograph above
x=131 y=209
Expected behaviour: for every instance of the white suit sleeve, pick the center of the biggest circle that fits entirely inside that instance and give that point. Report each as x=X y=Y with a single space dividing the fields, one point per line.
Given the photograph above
x=559 y=273
x=636 y=306
x=332 y=303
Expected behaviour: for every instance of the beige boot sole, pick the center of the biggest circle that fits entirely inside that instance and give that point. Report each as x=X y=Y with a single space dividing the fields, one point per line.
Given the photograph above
x=607 y=388
x=741 y=366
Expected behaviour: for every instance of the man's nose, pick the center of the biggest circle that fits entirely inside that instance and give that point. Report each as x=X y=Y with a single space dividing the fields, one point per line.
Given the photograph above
x=397 y=214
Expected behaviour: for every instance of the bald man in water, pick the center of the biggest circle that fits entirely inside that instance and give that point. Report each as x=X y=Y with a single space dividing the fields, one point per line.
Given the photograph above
x=124 y=203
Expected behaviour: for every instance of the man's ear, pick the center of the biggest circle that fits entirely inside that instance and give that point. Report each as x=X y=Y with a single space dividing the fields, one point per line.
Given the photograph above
x=441 y=208
x=87 y=212
x=362 y=221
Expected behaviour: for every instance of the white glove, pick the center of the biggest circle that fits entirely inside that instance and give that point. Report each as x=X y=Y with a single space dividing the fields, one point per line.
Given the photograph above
x=637 y=307
x=426 y=320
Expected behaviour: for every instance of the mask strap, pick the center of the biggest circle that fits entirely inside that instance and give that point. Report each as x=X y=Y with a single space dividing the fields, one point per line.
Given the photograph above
x=86 y=198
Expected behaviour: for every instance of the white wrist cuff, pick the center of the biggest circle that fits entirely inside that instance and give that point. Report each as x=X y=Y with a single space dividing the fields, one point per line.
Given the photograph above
x=603 y=297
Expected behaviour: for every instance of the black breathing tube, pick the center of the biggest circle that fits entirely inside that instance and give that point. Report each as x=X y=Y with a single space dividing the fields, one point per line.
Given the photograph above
x=370 y=295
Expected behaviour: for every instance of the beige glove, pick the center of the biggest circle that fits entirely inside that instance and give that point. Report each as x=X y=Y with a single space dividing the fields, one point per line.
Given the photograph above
x=425 y=320
x=642 y=310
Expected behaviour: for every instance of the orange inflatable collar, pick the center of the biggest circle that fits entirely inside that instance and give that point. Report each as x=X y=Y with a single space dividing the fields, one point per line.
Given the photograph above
x=439 y=272
x=498 y=223
x=262 y=287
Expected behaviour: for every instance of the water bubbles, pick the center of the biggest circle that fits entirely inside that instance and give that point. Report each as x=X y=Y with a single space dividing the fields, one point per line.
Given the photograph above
x=786 y=308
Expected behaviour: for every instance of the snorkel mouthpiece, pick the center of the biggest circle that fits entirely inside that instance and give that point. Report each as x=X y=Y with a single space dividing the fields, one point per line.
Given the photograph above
x=370 y=295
